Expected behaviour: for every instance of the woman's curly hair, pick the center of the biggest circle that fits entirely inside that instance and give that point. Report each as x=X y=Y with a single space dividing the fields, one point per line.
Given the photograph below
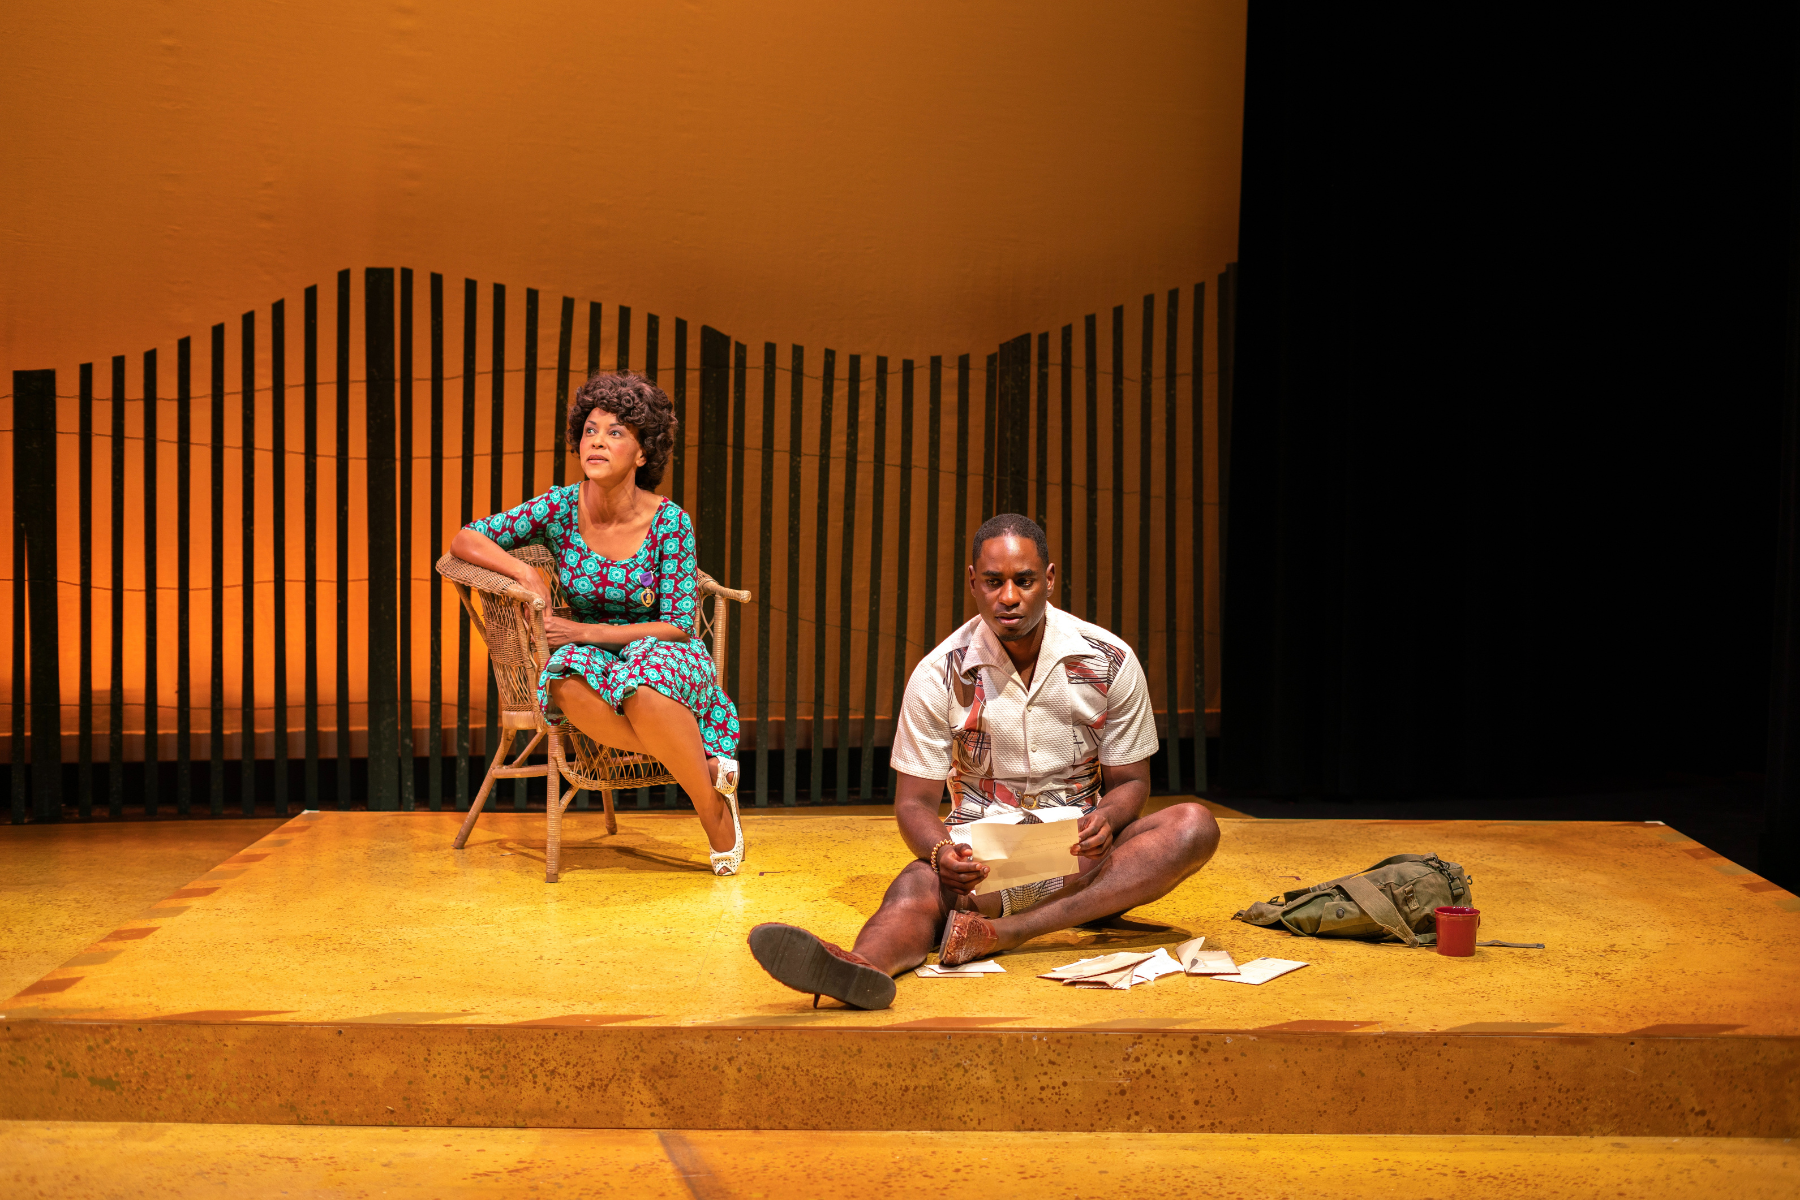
x=637 y=403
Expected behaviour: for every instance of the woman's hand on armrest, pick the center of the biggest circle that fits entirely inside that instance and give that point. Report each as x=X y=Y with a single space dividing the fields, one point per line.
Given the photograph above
x=483 y=551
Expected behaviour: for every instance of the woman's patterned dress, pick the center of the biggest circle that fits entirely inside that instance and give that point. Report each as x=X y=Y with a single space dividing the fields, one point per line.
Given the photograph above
x=655 y=584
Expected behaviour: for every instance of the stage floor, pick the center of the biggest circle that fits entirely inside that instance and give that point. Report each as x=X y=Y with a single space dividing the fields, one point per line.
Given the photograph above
x=1661 y=958
x=52 y=1160
x=371 y=917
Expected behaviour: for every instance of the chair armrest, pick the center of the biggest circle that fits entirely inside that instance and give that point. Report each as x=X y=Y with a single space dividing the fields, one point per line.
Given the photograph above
x=712 y=587
x=466 y=573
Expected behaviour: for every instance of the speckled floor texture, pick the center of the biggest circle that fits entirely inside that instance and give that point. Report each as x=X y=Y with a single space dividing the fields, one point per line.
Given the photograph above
x=51 y=1160
x=351 y=968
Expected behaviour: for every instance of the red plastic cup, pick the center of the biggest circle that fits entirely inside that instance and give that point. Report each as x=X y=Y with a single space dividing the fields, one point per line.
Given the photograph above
x=1456 y=928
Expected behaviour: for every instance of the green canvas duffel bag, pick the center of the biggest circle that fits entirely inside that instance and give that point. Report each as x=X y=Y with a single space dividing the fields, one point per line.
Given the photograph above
x=1396 y=898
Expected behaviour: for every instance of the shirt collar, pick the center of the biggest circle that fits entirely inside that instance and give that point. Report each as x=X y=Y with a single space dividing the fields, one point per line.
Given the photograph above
x=1061 y=640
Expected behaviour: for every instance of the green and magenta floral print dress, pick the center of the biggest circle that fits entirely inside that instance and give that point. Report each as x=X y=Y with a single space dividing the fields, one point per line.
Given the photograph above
x=655 y=584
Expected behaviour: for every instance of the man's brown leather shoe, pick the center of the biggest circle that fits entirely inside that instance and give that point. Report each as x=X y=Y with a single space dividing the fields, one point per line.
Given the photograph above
x=967 y=936
x=808 y=963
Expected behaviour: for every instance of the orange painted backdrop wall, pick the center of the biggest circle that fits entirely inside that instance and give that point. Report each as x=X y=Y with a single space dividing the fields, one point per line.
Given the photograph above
x=895 y=179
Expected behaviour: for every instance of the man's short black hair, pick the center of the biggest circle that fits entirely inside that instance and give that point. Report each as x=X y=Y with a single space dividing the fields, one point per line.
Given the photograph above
x=1010 y=525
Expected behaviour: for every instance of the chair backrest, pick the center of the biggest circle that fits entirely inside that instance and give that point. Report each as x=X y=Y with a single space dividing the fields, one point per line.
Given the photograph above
x=510 y=621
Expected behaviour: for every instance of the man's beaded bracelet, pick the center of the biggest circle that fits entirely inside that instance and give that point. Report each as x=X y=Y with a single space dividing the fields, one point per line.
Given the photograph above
x=934 y=853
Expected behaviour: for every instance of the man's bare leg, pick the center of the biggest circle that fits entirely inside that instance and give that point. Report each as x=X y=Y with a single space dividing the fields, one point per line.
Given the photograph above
x=1149 y=858
x=905 y=928
x=664 y=729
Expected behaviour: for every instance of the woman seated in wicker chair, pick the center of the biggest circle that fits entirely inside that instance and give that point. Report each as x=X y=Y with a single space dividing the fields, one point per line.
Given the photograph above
x=627 y=670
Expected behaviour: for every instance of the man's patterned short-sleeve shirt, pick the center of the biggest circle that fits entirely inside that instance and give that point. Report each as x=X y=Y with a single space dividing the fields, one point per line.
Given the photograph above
x=967 y=718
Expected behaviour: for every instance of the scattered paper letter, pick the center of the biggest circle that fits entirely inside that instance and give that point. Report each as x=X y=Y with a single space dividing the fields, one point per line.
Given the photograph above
x=1261 y=970
x=986 y=966
x=1017 y=854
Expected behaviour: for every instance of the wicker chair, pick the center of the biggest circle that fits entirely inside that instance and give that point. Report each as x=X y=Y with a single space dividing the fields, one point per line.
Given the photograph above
x=510 y=620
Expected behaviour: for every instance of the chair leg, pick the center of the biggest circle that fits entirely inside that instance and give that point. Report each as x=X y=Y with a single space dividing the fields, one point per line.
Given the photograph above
x=553 y=812
x=487 y=787
x=612 y=822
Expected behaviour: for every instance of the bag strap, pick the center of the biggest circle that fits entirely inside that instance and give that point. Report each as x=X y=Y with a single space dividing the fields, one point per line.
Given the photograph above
x=1380 y=909
x=1399 y=858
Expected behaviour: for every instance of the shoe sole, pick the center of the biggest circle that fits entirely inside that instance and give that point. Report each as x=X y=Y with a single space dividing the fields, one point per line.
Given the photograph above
x=799 y=960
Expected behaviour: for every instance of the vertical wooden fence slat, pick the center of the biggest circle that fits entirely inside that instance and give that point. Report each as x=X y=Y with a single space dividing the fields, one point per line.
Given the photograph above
x=1064 y=547
x=1091 y=560
x=671 y=794
x=903 y=557
x=764 y=572
x=247 y=505
x=528 y=457
x=381 y=783
x=714 y=461
x=278 y=520
x=1146 y=464
x=847 y=577
x=496 y=501
x=341 y=452
x=184 y=675
x=790 y=729
x=115 y=680
x=934 y=446
x=152 y=698
x=652 y=346
x=679 y=397
x=872 y=671
x=1196 y=397
x=593 y=365
x=1116 y=621
x=1041 y=509
x=959 y=532
x=715 y=429
x=216 y=579
x=593 y=342
x=1012 y=428
x=1170 y=519
x=34 y=433
x=565 y=348
x=528 y=414
x=20 y=779
x=990 y=380
x=434 y=755
x=1226 y=332
x=1171 y=515
x=84 y=700
x=822 y=537
x=309 y=367
x=624 y=343
x=739 y=399
x=403 y=573
x=465 y=514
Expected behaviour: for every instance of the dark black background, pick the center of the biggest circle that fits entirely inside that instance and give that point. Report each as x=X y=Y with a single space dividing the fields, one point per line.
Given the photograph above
x=1504 y=461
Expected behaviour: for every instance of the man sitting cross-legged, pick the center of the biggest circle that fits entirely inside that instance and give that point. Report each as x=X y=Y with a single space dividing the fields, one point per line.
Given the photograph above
x=1024 y=707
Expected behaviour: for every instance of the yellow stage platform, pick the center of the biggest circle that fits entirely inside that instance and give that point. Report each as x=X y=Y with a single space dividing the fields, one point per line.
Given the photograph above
x=350 y=968
x=67 y=1160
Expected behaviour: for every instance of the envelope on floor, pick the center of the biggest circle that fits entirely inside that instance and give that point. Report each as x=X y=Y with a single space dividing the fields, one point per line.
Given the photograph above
x=1117 y=971
x=1103 y=965
x=1261 y=970
x=986 y=966
x=1196 y=961
x=1155 y=967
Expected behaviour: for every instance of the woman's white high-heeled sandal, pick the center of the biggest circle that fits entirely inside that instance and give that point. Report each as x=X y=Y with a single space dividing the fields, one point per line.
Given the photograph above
x=727 y=862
